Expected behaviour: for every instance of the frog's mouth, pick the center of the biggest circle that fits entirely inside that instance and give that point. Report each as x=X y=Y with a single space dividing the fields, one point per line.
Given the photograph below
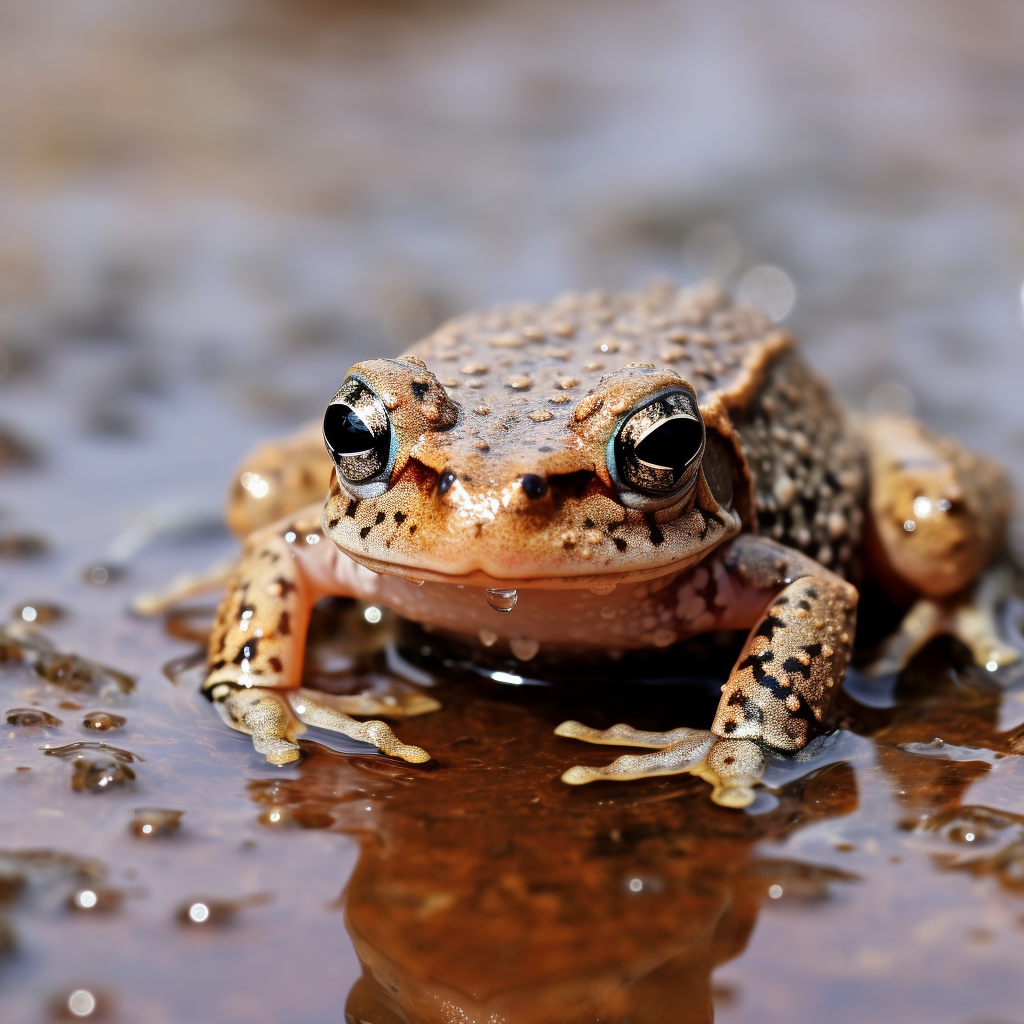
x=523 y=551
x=598 y=581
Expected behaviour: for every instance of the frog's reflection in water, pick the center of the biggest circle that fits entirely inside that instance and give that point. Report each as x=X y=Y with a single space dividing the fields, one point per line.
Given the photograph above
x=488 y=891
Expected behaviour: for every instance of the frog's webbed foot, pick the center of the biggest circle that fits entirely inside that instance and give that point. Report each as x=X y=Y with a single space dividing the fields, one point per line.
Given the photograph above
x=971 y=618
x=733 y=767
x=275 y=719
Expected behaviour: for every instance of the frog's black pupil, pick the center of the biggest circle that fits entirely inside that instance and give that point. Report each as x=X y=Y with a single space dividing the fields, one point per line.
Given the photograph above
x=534 y=486
x=445 y=482
x=672 y=445
x=345 y=432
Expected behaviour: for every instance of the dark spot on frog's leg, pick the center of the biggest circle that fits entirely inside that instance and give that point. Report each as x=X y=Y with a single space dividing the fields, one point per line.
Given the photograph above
x=400 y=517
x=813 y=649
x=796 y=665
x=284 y=624
x=284 y=586
x=412 y=529
x=381 y=516
x=768 y=626
x=756 y=663
x=275 y=663
x=588 y=524
x=620 y=543
x=350 y=510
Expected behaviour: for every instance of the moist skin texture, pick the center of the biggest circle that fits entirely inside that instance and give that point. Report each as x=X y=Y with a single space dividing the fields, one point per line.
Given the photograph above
x=502 y=510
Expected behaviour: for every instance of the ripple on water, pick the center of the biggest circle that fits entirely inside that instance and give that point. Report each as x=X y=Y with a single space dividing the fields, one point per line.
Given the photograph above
x=98 y=767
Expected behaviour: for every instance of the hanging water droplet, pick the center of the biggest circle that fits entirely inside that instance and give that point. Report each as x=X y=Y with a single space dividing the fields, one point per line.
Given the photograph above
x=502 y=600
x=487 y=638
x=524 y=648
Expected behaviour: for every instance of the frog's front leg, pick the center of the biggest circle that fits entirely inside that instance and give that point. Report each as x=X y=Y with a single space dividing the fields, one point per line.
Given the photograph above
x=258 y=641
x=782 y=689
x=936 y=528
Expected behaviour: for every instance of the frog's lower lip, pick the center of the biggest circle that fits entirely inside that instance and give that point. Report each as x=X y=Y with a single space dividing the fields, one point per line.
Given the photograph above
x=478 y=578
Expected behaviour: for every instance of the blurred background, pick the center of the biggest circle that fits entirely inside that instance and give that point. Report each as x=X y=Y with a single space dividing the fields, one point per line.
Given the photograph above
x=209 y=210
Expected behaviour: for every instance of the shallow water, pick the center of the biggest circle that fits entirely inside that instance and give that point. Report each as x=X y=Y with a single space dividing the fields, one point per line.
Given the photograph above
x=206 y=215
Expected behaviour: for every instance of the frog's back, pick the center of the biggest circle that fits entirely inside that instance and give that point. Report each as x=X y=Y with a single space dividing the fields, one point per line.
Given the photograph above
x=799 y=471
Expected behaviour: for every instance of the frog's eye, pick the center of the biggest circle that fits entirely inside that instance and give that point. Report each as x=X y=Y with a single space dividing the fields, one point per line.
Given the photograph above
x=359 y=438
x=656 y=449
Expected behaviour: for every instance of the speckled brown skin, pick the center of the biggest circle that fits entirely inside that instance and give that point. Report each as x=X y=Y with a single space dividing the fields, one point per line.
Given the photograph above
x=761 y=539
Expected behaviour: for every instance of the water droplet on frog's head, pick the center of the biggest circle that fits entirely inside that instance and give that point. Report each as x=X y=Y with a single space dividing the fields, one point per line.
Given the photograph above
x=502 y=600
x=524 y=648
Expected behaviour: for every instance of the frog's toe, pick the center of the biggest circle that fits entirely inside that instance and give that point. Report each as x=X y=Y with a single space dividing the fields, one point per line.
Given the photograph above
x=265 y=716
x=316 y=712
x=626 y=736
x=971 y=617
x=733 y=768
x=680 y=750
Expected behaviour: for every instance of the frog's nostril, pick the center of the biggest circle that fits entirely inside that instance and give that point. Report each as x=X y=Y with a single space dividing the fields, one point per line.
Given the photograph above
x=534 y=486
x=445 y=482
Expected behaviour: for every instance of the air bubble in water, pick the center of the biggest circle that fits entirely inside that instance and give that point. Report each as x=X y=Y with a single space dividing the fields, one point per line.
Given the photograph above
x=502 y=600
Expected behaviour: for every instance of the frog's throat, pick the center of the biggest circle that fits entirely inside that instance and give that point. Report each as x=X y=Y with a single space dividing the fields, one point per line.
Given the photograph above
x=591 y=581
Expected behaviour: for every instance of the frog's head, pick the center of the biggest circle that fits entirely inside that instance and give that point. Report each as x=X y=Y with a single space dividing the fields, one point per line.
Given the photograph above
x=632 y=481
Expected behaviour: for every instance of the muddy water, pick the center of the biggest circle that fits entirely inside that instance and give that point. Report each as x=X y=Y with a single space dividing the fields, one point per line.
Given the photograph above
x=205 y=216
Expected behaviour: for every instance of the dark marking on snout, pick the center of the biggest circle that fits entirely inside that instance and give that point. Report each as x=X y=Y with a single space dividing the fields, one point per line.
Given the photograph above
x=445 y=481
x=350 y=511
x=534 y=486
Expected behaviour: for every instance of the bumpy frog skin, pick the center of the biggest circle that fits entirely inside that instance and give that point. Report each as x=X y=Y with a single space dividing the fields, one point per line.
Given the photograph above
x=639 y=469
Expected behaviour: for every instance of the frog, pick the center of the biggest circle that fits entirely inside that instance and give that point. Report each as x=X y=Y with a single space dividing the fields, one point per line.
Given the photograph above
x=601 y=474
